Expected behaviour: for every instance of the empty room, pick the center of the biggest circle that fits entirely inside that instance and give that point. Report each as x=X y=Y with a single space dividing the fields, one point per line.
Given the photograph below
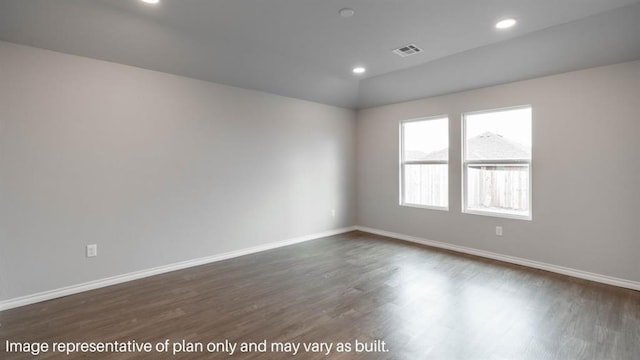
x=320 y=179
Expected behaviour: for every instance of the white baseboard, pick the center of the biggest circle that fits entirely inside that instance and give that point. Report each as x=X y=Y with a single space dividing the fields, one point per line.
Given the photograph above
x=74 y=289
x=634 y=285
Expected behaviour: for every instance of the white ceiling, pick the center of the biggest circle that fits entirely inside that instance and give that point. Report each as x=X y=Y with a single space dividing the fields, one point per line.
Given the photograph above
x=304 y=49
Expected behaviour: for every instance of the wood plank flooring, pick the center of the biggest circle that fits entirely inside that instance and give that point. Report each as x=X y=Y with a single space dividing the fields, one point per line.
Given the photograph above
x=423 y=303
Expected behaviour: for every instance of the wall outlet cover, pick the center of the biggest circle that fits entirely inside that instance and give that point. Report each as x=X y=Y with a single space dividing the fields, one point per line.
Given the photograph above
x=92 y=250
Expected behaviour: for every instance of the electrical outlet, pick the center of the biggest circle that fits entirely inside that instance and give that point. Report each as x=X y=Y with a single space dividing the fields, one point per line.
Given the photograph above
x=499 y=230
x=92 y=250
x=333 y=212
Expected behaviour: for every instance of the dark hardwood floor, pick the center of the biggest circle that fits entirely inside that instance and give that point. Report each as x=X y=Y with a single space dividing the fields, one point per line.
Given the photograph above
x=423 y=303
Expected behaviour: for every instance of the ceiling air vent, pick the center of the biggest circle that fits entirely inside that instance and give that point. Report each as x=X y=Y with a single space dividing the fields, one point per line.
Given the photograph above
x=407 y=50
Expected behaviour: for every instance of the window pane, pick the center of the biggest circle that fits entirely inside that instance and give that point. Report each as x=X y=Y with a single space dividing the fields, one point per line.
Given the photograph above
x=497 y=158
x=426 y=185
x=498 y=188
x=426 y=140
x=498 y=135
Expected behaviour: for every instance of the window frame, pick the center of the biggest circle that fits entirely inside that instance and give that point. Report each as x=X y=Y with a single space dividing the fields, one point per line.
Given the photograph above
x=465 y=165
x=402 y=163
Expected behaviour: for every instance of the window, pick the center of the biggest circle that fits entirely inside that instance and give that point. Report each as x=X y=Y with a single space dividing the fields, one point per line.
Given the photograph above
x=424 y=163
x=497 y=162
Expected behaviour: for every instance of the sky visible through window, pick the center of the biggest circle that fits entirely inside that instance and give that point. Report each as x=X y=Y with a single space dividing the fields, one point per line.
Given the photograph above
x=426 y=136
x=513 y=124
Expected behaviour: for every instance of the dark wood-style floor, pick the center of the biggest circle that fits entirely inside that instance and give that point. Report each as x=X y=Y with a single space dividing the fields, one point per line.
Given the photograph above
x=424 y=303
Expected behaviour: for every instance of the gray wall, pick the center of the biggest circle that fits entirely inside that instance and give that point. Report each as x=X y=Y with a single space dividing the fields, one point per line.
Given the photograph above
x=154 y=168
x=586 y=171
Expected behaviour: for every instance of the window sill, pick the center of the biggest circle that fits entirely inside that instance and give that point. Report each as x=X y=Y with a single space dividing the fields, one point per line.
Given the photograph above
x=426 y=207
x=504 y=215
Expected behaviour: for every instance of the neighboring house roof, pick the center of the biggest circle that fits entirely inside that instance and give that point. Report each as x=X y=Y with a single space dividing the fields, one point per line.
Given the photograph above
x=486 y=146
x=491 y=146
x=415 y=155
x=437 y=155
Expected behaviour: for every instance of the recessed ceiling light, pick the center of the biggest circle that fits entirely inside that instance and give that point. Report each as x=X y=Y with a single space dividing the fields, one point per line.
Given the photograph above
x=347 y=12
x=505 y=24
x=150 y=1
x=359 y=70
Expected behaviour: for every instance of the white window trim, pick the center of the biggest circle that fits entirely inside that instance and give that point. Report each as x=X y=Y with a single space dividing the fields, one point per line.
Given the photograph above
x=402 y=163
x=465 y=164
